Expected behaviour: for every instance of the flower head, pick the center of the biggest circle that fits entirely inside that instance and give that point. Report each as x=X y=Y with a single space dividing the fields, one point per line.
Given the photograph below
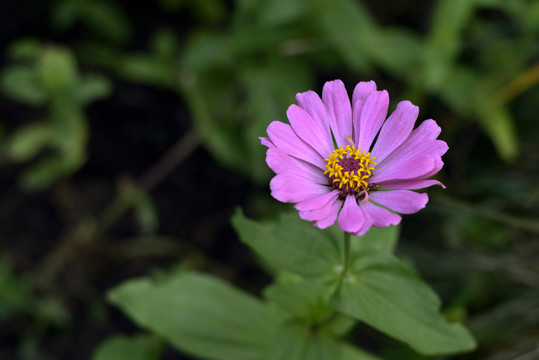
x=327 y=162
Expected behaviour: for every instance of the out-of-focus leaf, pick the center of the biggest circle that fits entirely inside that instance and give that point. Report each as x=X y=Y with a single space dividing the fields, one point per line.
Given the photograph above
x=70 y=128
x=350 y=28
x=147 y=69
x=376 y=240
x=40 y=175
x=279 y=12
x=92 y=87
x=214 y=111
x=26 y=142
x=385 y=294
x=302 y=300
x=293 y=245
x=205 y=51
x=140 y=347
x=308 y=303
x=25 y=49
x=462 y=92
x=224 y=51
x=270 y=89
x=58 y=69
x=65 y=14
x=459 y=90
x=349 y=352
x=295 y=342
x=289 y=343
x=21 y=83
x=52 y=311
x=105 y=18
x=143 y=205
x=200 y=315
x=444 y=40
x=398 y=52
x=164 y=44
x=15 y=292
x=322 y=347
x=498 y=124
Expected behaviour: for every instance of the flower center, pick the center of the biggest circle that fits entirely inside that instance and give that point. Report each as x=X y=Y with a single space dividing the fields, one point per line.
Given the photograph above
x=348 y=170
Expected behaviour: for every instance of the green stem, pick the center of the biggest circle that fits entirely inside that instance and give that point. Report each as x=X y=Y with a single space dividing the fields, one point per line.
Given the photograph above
x=346 y=254
x=346 y=266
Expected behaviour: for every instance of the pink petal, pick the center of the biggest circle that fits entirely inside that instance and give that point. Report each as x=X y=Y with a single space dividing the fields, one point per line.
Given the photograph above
x=421 y=141
x=351 y=218
x=414 y=168
x=318 y=214
x=283 y=137
x=281 y=163
x=408 y=184
x=333 y=213
x=427 y=130
x=438 y=164
x=293 y=188
x=323 y=209
x=395 y=130
x=370 y=118
x=381 y=217
x=409 y=150
x=309 y=130
x=339 y=110
x=402 y=201
x=266 y=142
x=317 y=202
x=362 y=91
x=313 y=105
x=366 y=224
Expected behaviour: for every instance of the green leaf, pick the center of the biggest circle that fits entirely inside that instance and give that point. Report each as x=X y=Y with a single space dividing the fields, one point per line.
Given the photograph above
x=16 y=292
x=140 y=347
x=26 y=142
x=70 y=128
x=296 y=342
x=200 y=315
x=459 y=90
x=385 y=294
x=397 y=51
x=25 y=49
x=279 y=12
x=376 y=240
x=349 y=352
x=289 y=343
x=293 y=245
x=92 y=87
x=350 y=28
x=164 y=45
x=44 y=173
x=500 y=127
x=301 y=299
x=106 y=19
x=444 y=41
x=142 y=203
x=270 y=88
x=22 y=84
x=308 y=302
x=322 y=347
x=148 y=69
x=58 y=69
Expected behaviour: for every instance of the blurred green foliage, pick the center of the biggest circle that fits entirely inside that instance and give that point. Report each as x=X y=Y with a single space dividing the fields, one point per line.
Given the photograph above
x=234 y=66
x=48 y=76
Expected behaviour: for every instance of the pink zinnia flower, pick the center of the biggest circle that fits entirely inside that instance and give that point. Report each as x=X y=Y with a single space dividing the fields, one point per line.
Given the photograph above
x=327 y=162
